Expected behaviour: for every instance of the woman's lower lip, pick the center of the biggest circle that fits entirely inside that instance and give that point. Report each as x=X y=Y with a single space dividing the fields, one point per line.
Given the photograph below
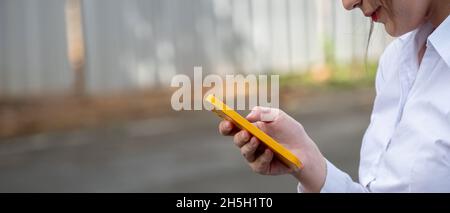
x=375 y=16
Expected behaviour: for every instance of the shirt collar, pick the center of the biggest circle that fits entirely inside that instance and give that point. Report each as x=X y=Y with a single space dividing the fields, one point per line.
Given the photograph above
x=440 y=40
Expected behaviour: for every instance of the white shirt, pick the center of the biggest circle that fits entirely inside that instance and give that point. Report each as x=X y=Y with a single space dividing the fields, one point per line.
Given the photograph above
x=406 y=147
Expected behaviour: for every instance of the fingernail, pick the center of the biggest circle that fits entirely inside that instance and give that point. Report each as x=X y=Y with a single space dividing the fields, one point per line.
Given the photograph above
x=268 y=116
x=227 y=125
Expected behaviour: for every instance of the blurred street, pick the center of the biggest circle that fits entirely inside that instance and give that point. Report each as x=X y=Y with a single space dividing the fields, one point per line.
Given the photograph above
x=180 y=152
x=86 y=86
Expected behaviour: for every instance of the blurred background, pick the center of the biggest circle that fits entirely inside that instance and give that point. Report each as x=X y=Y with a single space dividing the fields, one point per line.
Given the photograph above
x=85 y=89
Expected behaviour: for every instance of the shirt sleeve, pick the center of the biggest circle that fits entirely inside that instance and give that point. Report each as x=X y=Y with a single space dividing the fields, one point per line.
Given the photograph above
x=338 y=182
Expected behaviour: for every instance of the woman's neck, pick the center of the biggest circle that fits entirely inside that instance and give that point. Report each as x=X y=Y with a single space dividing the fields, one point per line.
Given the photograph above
x=439 y=11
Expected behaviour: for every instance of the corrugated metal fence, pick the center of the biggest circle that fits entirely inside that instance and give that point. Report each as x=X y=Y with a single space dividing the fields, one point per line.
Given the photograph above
x=33 y=56
x=142 y=43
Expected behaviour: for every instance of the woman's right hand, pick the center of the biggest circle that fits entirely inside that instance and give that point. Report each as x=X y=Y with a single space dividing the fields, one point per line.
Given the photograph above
x=289 y=133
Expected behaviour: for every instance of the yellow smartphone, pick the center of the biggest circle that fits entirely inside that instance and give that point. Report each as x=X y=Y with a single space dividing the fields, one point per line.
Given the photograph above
x=279 y=150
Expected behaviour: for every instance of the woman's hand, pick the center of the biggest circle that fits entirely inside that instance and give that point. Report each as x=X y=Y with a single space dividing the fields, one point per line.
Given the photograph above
x=291 y=135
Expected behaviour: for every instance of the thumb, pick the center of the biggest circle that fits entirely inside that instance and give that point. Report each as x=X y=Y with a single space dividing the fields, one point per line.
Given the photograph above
x=263 y=114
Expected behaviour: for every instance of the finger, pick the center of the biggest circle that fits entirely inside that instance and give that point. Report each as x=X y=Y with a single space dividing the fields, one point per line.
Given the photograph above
x=249 y=149
x=262 y=163
x=262 y=114
x=262 y=126
x=241 y=138
x=278 y=167
x=261 y=149
x=227 y=128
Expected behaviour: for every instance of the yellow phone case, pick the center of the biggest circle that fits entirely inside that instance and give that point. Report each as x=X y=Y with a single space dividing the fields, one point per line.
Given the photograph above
x=228 y=113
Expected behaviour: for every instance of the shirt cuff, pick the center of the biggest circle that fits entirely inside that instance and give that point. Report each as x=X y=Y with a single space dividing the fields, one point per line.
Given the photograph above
x=336 y=181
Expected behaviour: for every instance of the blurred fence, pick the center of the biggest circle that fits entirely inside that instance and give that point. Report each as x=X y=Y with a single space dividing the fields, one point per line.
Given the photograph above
x=33 y=56
x=142 y=43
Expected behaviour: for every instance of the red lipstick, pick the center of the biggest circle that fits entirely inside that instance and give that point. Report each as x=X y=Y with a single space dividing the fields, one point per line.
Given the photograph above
x=375 y=15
